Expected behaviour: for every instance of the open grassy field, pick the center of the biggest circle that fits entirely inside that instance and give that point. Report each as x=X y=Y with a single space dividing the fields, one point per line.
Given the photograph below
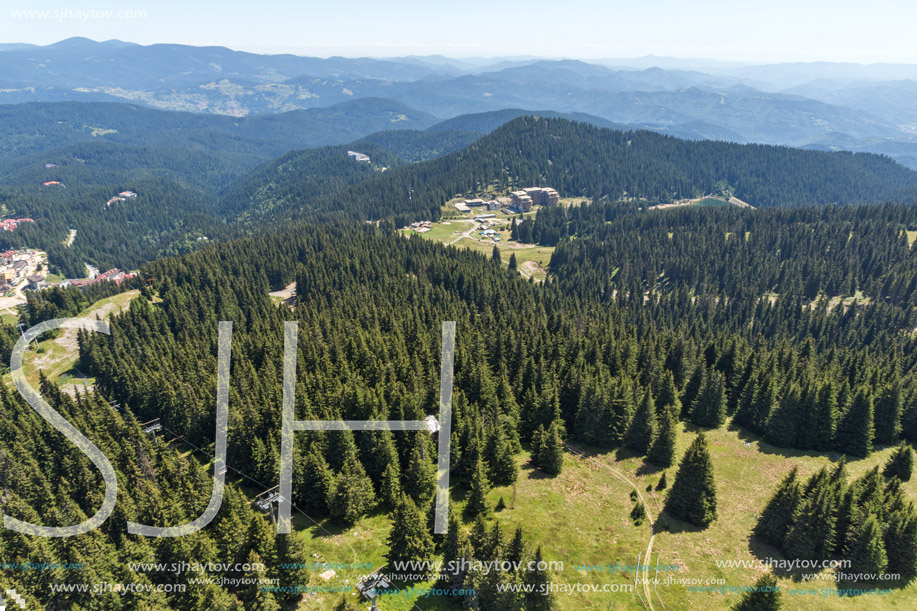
x=532 y=260
x=581 y=517
x=58 y=356
x=711 y=201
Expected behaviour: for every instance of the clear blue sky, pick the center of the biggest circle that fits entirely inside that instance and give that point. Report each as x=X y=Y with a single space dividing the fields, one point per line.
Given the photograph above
x=747 y=30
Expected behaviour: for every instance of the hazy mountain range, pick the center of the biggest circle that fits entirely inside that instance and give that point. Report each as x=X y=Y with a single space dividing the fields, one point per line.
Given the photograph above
x=819 y=105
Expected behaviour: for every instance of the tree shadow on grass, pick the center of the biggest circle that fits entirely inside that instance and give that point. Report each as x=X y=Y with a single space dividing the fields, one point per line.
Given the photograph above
x=532 y=472
x=757 y=441
x=648 y=468
x=666 y=523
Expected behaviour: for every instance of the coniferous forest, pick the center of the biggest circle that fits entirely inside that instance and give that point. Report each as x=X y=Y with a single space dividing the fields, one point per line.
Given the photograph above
x=792 y=324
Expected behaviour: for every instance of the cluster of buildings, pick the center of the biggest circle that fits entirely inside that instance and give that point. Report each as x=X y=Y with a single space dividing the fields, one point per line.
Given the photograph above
x=120 y=197
x=518 y=201
x=113 y=275
x=11 y=224
x=495 y=204
x=421 y=226
x=541 y=196
x=358 y=156
x=16 y=265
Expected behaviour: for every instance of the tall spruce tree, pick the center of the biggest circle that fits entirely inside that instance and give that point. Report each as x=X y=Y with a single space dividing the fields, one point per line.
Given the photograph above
x=693 y=494
x=888 y=414
x=477 y=495
x=409 y=539
x=419 y=478
x=900 y=464
x=538 y=595
x=709 y=408
x=765 y=596
x=662 y=452
x=777 y=516
x=900 y=538
x=353 y=492
x=502 y=464
x=782 y=427
x=826 y=417
x=812 y=534
x=855 y=431
x=867 y=550
x=642 y=432
x=551 y=457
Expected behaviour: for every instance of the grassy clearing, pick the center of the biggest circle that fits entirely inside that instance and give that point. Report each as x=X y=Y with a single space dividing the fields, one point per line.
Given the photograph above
x=57 y=356
x=581 y=517
x=711 y=202
x=746 y=475
x=911 y=236
x=532 y=260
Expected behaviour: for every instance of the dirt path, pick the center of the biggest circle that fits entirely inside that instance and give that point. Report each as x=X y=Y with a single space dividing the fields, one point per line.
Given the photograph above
x=467 y=234
x=648 y=602
x=70 y=238
x=61 y=354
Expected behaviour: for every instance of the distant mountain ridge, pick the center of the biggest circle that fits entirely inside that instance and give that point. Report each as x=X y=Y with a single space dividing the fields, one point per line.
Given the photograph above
x=830 y=106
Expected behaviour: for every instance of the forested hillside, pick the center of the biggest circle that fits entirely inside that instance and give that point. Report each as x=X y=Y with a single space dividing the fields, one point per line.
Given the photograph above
x=48 y=481
x=580 y=160
x=177 y=189
x=608 y=355
x=298 y=178
x=192 y=188
x=36 y=127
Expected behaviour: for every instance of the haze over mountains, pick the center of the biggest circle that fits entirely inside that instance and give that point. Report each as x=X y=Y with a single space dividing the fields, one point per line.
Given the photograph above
x=819 y=105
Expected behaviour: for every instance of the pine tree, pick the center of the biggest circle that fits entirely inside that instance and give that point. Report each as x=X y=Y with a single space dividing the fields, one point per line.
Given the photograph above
x=419 y=480
x=537 y=438
x=855 y=431
x=782 y=427
x=480 y=536
x=390 y=488
x=765 y=596
x=551 y=457
x=668 y=395
x=353 y=492
x=480 y=486
x=888 y=414
x=826 y=417
x=662 y=452
x=538 y=596
x=900 y=540
x=503 y=469
x=709 y=408
x=456 y=548
x=900 y=464
x=409 y=539
x=316 y=484
x=812 y=534
x=693 y=495
x=495 y=254
x=642 y=432
x=777 y=516
x=867 y=552
x=512 y=262
x=692 y=390
x=516 y=549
